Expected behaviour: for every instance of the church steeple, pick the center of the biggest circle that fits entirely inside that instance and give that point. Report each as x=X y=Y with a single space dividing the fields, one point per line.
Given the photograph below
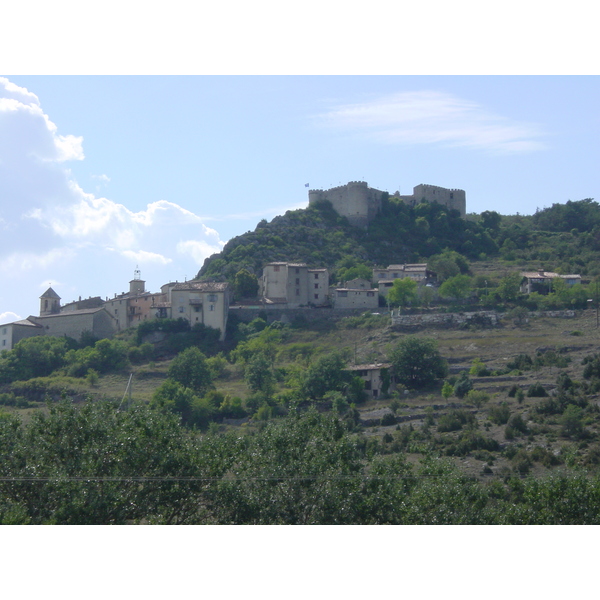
x=136 y=285
x=49 y=303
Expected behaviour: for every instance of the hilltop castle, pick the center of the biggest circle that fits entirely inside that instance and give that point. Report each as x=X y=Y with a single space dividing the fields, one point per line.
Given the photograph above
x=359 y=203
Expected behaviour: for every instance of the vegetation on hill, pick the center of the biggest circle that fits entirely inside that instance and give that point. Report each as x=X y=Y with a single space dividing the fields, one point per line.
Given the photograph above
x=318 y=236
x=480 y=425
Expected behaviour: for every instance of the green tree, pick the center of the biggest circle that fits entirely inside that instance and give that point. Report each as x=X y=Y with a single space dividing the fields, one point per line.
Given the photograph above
x=403 y=292
x=508 y=288
x=457 y=287
x=259 y=375
x=190 y=369
x=245 y=285
x=571 y=422
x=417 y=362
x=447 y=390
x=326 y=374
x=33 y=357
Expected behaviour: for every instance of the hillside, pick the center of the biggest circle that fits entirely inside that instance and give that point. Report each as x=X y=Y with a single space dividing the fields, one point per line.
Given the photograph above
x=318 y=236
x=564 y=238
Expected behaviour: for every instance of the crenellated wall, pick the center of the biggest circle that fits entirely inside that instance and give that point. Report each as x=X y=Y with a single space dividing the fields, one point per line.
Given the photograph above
x=359 y=203
x=356 y=201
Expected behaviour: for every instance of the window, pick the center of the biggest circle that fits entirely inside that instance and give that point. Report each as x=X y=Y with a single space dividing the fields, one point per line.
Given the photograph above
x=4 y=331
x=316 y=276
x=212 y=307
x=316 y=286
x=297 y=292
x=316 y=296
x=116 y=311
x=181 y=309
x=297 y=281
x=382 y=275
x=4 y=342
x=370 y=294
x=297 y=271
x=212 y=297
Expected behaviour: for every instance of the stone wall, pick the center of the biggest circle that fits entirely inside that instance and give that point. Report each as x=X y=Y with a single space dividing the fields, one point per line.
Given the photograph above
x=289 y=315
x=489 y=317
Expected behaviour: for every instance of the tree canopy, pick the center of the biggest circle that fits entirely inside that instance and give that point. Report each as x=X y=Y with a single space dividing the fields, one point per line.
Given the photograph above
x=417 y=362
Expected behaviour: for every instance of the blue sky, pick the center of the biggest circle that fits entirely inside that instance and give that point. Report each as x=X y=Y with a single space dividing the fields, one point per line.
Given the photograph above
x=99 y=174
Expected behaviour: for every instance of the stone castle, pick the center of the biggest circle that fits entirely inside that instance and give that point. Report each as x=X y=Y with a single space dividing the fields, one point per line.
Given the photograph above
x=359 y=203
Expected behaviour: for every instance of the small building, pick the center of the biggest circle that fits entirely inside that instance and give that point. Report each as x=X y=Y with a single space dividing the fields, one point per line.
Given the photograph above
x=294 y=285
x=376 y=377
x=358 y=284
x=416 y=272
x=12 y=333
x=200 y=302
x=540 y=281
x=97 y=321
x=355 y=298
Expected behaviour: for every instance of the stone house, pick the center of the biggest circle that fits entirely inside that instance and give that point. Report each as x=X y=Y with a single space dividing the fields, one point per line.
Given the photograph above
x=294 y=284
x=355 y=298
x=384 y=278
x=12 y=333
x=97 y=321
x=376 y=376
x=541 y=281
x=199 y=302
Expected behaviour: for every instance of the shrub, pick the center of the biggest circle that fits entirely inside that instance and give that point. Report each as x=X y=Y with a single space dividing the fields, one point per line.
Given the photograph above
x=518 y=424
x=521 y=362
x=536 y=390
x=478 y=369
x=477 y=397
x=388 y=419
x=454 y=420
x=500 y=414
x=463 y=385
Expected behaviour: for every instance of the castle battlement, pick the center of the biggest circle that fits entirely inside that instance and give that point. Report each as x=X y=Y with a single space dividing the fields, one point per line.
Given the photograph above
x=359 y=203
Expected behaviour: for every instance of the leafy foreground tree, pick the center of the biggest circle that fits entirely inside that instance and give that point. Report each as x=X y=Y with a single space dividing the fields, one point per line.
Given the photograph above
x=97 y=465
x=416 y=362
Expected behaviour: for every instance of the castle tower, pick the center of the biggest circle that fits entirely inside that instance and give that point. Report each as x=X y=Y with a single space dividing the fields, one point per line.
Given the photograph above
x=136 y=285
x=49 y=303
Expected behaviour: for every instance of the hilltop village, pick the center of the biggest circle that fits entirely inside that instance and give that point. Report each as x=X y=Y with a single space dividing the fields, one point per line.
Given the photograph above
x=282 y=287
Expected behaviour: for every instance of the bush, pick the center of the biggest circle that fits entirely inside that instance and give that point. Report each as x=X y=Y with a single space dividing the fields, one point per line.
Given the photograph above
x=463 y=385
x=536 y=390
x=477 y=397
x=388 y=419
x=499 y=414
x=454 y=420
x=478 y=369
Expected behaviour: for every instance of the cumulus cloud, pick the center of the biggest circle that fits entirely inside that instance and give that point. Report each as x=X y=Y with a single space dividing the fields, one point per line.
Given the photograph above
x=53 y=228
x=143 y=257
x=199 y=249
x=430 y=117
x=8 y=317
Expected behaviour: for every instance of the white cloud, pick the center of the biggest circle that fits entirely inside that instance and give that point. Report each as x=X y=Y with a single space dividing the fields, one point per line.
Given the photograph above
x=429 y=117
x=142 y=257
x=9 y=317
x=198 y=249
x=54 y=229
